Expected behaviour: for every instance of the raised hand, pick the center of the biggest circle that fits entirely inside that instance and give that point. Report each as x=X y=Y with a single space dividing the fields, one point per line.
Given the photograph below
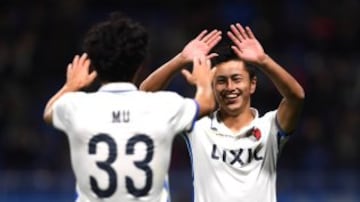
x=201 y=45
x=77 y=75
x=202 y=74
x=198 y=47
x=246 y=46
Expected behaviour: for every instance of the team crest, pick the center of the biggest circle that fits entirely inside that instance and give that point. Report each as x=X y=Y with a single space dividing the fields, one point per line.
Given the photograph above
x=254 y=132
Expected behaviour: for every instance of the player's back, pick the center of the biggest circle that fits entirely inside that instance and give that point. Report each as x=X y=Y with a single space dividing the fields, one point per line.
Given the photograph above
x=121 y=141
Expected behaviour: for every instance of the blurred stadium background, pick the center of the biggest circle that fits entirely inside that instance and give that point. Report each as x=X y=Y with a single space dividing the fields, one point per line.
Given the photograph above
x=317 y=41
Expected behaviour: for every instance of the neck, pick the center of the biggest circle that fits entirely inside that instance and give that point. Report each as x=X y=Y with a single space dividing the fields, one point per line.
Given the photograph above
x=236 y=122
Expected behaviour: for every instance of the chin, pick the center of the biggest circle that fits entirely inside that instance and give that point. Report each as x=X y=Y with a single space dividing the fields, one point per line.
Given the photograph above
x=232 y=109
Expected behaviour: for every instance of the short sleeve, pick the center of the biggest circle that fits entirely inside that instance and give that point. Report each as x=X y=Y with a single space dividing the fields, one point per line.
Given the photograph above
x=63 y=109
x=183 y=112
x=275 y=130
x=188 y=114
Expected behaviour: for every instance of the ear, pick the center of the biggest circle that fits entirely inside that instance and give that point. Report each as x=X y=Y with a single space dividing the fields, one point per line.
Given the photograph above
x=253 y=82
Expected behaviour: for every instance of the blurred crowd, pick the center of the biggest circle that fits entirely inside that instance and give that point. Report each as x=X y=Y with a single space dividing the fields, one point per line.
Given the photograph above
x=316 y=41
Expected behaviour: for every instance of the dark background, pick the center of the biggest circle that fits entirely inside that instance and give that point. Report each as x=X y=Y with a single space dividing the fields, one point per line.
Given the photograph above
x=316 y=41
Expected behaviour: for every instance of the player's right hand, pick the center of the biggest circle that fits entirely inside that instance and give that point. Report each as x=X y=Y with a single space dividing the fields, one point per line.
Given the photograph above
x=201 y=45
x=78 y=75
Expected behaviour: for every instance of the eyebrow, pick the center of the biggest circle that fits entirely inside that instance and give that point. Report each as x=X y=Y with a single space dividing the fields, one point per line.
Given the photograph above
x=232 y=75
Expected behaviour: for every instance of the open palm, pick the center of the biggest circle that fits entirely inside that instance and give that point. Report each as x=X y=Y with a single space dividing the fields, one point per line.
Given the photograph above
x=246 y=46
x=201 y=45
x=77 y=75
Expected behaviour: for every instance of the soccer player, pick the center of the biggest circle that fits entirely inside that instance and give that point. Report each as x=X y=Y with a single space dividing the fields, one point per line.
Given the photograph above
x=234 y=151
x=120 y=138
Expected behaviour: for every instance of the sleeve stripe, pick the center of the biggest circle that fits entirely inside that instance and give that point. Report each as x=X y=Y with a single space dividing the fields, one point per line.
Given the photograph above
x=282 y=136
x=281 y=132
x=196 y=116
x=188 y=146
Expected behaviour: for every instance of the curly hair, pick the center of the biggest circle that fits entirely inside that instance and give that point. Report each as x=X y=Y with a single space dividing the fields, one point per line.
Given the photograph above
x=116 y=47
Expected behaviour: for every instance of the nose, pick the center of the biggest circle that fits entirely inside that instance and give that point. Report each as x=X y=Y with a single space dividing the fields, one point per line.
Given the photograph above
x=229 y=84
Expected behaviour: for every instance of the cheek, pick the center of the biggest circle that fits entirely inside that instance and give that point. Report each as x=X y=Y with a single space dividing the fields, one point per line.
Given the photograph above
x=243 y=86
x=249 y=86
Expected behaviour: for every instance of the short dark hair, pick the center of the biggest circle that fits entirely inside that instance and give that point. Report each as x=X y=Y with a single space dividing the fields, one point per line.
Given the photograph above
x=116 y=47
x=225 y=54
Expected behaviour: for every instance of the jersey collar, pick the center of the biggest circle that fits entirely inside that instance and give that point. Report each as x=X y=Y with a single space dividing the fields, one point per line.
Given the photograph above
x=219 y=126
x=118 y=87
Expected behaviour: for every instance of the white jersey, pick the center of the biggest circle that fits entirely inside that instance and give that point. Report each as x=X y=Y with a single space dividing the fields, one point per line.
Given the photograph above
x=233 y=167
x=121 y=140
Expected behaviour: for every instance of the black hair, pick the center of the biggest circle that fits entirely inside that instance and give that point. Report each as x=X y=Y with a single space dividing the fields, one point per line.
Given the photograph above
x=226 y=53
x=116 y=47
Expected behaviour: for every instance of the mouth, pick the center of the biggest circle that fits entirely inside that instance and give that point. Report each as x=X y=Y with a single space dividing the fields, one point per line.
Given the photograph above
x=230 y=98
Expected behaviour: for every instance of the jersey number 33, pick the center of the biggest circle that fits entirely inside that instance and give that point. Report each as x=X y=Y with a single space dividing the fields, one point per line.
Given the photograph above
x=107 y=165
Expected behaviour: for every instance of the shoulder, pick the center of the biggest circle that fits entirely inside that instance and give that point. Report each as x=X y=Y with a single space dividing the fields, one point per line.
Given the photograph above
x=167 y=98
x=166 y=95
x=73 y=95
x=267 y=121
x=70 y=98
x=270 y=115
x=204 y=123
x=206 y=120
x=169 y=102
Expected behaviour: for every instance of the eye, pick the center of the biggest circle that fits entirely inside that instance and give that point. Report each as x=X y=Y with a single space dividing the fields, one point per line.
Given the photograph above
x=220 y=80
x=237 y=79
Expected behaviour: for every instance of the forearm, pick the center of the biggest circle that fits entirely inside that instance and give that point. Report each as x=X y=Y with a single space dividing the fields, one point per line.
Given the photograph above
x=206 y=100
x=161 y=77
x=293 y=94
x=77 y=77
x=48 y=108
x=286 y=84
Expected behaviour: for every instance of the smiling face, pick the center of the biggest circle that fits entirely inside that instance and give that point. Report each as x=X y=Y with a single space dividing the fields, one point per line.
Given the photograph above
x=233 y=87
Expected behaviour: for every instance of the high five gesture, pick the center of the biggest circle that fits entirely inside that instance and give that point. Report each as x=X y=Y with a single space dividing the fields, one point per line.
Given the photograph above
x=246 y=46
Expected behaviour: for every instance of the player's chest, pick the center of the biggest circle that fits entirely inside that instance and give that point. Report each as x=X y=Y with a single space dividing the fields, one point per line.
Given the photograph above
x=238 y=157
x=236 y=152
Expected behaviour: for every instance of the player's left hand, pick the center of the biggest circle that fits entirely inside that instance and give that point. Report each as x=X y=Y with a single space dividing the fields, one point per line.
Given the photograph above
x=78 y=75
x=246 y=46
x=202 y=73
